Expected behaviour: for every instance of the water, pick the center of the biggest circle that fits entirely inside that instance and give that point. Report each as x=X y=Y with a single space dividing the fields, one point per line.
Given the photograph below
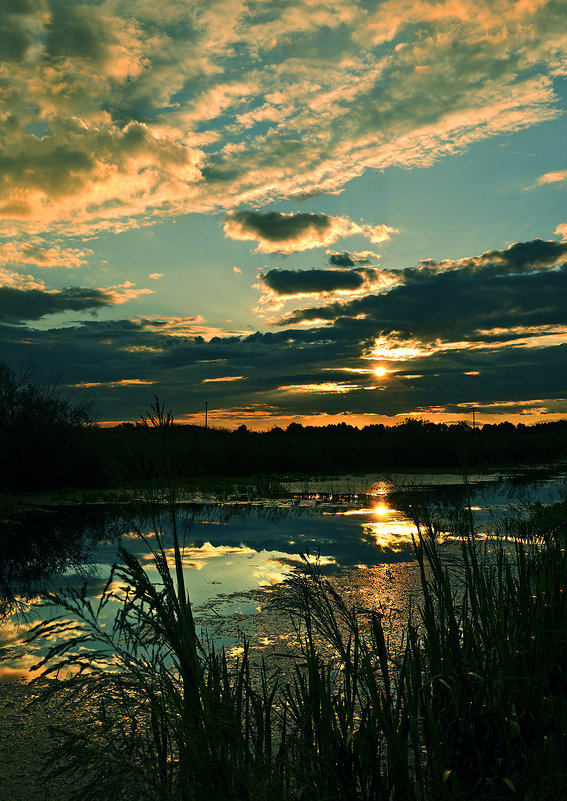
x=237 y=555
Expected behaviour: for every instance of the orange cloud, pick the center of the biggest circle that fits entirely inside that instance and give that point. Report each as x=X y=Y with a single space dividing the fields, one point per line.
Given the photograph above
x=19 y=281
x=122 y=293
x=224 y=378
x=37 y=253
x=123 y=382
x=325 y=386
x=552 y=177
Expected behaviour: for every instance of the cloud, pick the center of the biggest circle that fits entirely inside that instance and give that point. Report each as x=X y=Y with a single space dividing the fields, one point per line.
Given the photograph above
x=224 y=378
x=13 y=280
x=515 y=296
x=183 y=327
x=357 y=284
x=348 y=259
x=519 y=258
x=32 y=304
x=309 y=371
x=296 y=357
x=295 y=282
x=155 y=276
x=552 y=177
x=83 y=173
x=278 y=232
x=324 y=386
x=123 y=382
x=115 y=114
x=38 y=253
x=280 y=286
x=122 y=293
x=24 y=299
x=453 y=304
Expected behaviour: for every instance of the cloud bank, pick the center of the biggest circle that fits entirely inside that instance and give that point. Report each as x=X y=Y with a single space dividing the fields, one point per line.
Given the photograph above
x=488 y=331
x=23 y=300
x=115 y=113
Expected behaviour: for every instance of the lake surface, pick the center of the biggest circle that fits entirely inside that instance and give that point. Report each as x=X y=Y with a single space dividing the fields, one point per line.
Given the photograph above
x=237 y=553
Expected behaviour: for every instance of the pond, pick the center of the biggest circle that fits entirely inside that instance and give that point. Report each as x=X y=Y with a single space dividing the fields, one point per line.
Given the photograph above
x=238 y=553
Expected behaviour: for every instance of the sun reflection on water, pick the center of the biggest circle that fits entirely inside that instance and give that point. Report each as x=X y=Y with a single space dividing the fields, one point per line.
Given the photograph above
x=384 y=526
x=393 y=535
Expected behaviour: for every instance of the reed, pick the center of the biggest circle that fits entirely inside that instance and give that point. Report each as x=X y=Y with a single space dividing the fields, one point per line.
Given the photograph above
x=472 y=706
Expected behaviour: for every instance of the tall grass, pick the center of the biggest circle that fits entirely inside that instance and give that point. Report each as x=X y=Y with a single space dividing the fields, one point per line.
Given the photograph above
x=473 y=705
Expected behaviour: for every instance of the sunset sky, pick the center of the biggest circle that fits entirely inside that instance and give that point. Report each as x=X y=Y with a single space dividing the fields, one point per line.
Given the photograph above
x=318 y=211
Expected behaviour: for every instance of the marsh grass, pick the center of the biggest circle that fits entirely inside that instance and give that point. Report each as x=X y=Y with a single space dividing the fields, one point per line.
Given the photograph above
x=472 y=705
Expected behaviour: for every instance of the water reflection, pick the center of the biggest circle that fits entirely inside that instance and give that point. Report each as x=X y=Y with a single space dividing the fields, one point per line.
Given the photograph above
x=236 y=556
x=210 y=568
x=46 y=543
x=394 y=535
x=384 y=527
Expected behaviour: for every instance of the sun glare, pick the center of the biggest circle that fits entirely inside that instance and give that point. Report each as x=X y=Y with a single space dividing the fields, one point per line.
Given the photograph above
x=381 y=509
x=380 y=371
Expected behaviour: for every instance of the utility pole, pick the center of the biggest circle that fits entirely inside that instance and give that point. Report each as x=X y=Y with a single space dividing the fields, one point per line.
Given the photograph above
x=206 y=413
x=473 y=417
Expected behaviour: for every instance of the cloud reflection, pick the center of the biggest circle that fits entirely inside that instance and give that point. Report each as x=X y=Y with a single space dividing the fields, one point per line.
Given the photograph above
x=234 y=569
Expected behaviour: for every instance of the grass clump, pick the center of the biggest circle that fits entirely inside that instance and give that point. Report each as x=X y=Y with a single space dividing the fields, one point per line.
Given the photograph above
x=169 y=718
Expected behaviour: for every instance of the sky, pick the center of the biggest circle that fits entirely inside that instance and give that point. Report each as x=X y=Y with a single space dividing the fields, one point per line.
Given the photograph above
x=318 y=211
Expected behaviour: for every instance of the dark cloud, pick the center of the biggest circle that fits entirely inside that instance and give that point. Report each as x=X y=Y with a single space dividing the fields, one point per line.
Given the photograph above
x=219 y=174
x=341 y=260
x=274 y=226
x=15 y=38
x=521 y=257
x=79 y=31
x=346 y=259
x=285 y=233
x=521 y=286
x=32 y=304
x=56 y=170
x=295 y=282
x=453 y=305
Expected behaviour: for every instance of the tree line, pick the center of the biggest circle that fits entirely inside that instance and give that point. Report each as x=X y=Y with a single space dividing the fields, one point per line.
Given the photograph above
x=47 y=441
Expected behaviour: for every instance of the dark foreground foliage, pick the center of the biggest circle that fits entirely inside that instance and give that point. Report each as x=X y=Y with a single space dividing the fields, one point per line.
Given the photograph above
x=472 y=706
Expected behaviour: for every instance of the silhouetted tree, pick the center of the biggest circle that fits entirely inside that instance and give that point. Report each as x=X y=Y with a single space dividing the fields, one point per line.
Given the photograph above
x=39 y=432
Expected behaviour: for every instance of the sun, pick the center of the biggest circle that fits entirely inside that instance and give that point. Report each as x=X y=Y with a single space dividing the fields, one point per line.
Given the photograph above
x=380 y=371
